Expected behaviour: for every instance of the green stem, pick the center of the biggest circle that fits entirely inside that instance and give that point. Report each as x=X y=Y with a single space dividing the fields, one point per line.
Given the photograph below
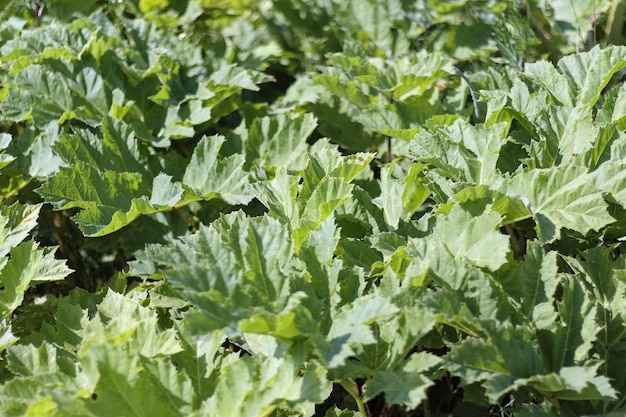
x=615 y=23
x=269 y=411
x=544 y=35
x=619 y=404
x=184 y=214
x=350 y=386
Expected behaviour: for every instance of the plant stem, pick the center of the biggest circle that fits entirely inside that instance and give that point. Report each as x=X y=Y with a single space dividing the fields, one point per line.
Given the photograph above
x=38 y=9
x=544 y=35
x=615 y=23
x=350 y=386
x=472 y=91
x=619 y=404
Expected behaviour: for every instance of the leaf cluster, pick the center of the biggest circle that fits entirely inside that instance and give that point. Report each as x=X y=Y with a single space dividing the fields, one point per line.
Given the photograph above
x=311 y=208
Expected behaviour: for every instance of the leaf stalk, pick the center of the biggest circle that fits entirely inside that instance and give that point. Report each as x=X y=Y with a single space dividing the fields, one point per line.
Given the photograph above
x=350 y=386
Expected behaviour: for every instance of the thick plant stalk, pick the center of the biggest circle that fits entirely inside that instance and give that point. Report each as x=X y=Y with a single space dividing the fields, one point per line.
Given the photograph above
x=350 y=386
x=615 y=22
x=472 y=91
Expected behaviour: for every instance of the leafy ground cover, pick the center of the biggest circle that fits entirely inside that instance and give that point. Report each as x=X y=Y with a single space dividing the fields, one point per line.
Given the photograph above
x=312 y=208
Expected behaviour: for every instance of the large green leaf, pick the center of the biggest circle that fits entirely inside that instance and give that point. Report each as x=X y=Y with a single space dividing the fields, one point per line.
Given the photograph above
x=532 y=283
x=574 y=383
x=237 y=276
x=397 y=120
x=102 y=364
x=110 y=200
x=560 y=197
x=23 y=263
x=278 y=142
x=63 y=91
x=474 y=238
x=325 y=186
x=405 y=386
x=28 y=265
x=351 y=328
x=579 y=78
x=252 y=387
x=503 y=360
x=566 y=342
x=610 y=177
x=210 y=176
x=114 y=180
x=462 y=151
x=512 y=210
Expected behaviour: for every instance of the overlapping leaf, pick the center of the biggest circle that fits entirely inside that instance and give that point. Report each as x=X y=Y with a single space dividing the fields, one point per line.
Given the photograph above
x=210 y=176
x=560 y=197
x=278 y=142
x=384 y=278
x=66 y=91
x=473 y=237
x=462 y=151
x=325 y=186
x=23 y=263
x=113 y=179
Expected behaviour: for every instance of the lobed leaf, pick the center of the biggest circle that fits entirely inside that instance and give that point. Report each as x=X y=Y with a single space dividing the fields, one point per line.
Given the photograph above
x=560 y=197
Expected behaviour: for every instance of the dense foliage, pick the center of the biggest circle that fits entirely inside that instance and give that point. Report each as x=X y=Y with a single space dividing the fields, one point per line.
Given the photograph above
x=312 y=207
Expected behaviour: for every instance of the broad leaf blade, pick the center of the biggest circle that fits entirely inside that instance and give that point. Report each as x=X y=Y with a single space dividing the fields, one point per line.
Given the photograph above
x=560 y=197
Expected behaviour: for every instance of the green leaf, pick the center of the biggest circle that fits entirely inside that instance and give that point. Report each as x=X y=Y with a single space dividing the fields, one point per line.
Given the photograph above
x=351 y=328
x=53 y=41
x=431 y=260
x=28 y=265
x=578 y=78
x=101 y=363
x=35 y=155
x=559 y=197
x=349 y=91
x=5 y=141
x=504 y=360
x=29 y=360
x=475 y=238
x=601 y=271
x=574 y=383
x=391 y=196
x=610 y=177
x=589 y=73
x=335 y=412
x=252 y=387
x=279 y=142
x=325 y=187
x=613 y=110
x=122 y=376
x=237 y=273
x=234 y=76
x=114 y=179
x=512 y=210
x=17 y=221
x=60 y=92
x=403 y=387
x=210 y=176
x=109 y=200
x=373 y=22
x=533 y=282
x=462 y=151
x=397 y=120
x=357 y=253
x=565 y=343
